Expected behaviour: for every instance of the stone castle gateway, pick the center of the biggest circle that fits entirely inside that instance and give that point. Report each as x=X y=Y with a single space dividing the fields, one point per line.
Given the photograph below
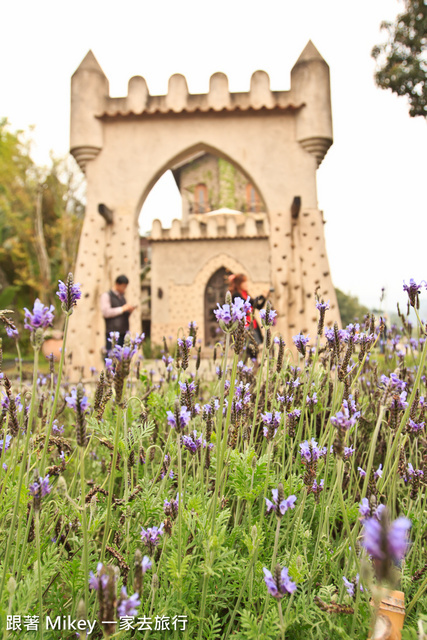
x=275 y=139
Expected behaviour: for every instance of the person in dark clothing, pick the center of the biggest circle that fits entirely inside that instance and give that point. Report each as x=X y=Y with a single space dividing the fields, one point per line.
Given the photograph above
x=116 y=311
x=237 y=287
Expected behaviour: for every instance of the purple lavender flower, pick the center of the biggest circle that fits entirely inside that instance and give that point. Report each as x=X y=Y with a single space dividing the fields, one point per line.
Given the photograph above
x=343 y=421
x=146 y=564
x=40 y=318
x=94 y=580
x=310 y=451
x=187 y=387
x=364 y=508
x=139 y=339
x=378 y=511
x=240 y=309
x=382 y=540
x=411 y=472
x=5 y=444
x=40 y=488
x=223 y=313
x=230 y=314
x=301 y=342
x=193 y=444
x=414 y=427
x=279 y=583
x=283 y=506
x=349 y=586
x=171 y=507
x=379 y=472
x=188 y=342
x=362 y=472
x=413 y=290
x=123 y=354
x=393 y=383
x=56 y=428
x=348 y=452
x=322 y=306
x=267 y=317
x=72 y=401
x=151 y=537
x=343 y=335
x=271 y=421
x=311 y=401
x=184 y=418
x=317 y=488
x=12 y=332
x=128 y=606
x=398 y=538
x=68 y=293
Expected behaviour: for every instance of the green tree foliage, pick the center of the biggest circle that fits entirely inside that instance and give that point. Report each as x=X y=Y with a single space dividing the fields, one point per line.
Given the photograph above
x=402 y=59
x=40 y=221
x=350 y=308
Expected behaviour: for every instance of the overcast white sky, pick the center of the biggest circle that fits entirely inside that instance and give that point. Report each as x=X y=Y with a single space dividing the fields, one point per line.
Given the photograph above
x=372 y=183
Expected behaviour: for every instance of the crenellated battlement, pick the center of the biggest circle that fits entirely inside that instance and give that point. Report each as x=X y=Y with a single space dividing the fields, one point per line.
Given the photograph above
x=179 y=100
x=223 y=224
x=307 y=100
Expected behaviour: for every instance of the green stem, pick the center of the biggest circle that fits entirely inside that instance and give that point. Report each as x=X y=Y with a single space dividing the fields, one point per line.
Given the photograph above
x=344 y=510
x=111 y=485
x=180 y=505
x=19 y=365
x=84 y=527
x=219 y=433
x=21 y=471
x=282 y=623
x=39 y=571
x=55 y=400
x=258 y=391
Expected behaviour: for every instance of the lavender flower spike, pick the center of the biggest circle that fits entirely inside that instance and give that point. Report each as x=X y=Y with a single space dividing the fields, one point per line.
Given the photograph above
x=146 y=564
x=301 y=342
x=151 y=537
x=40 y=318
x=128 y=606
x=280 y=504
x=386 y=542
x=413 y=290
x=40 y=488
x=278 y=583
x=68 y=293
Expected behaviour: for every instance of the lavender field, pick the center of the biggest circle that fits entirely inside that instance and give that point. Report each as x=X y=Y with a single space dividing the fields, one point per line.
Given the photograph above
x=276 y=496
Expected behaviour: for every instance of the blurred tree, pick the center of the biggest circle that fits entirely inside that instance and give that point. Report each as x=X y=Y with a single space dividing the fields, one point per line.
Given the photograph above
x=350 y=308
x=41 y=214
x=402 y=59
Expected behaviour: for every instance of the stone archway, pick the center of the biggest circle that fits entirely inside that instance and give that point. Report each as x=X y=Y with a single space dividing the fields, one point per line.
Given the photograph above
x=277 y=138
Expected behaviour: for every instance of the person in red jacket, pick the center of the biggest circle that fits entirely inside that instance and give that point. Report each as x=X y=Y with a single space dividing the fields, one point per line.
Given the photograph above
x=237 y=287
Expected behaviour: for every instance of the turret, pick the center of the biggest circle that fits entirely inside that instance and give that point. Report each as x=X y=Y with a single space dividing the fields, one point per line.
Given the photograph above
x=89 y=89
x=310 y=84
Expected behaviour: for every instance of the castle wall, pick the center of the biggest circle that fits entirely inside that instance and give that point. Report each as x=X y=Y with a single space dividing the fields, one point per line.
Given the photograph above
x=266 y=135
x=182 y=269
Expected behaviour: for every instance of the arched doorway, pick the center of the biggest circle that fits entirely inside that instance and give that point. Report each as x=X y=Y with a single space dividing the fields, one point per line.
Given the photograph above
x=215 y=291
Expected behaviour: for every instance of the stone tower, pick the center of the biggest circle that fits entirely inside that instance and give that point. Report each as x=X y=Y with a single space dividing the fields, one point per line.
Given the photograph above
x=277 y=139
